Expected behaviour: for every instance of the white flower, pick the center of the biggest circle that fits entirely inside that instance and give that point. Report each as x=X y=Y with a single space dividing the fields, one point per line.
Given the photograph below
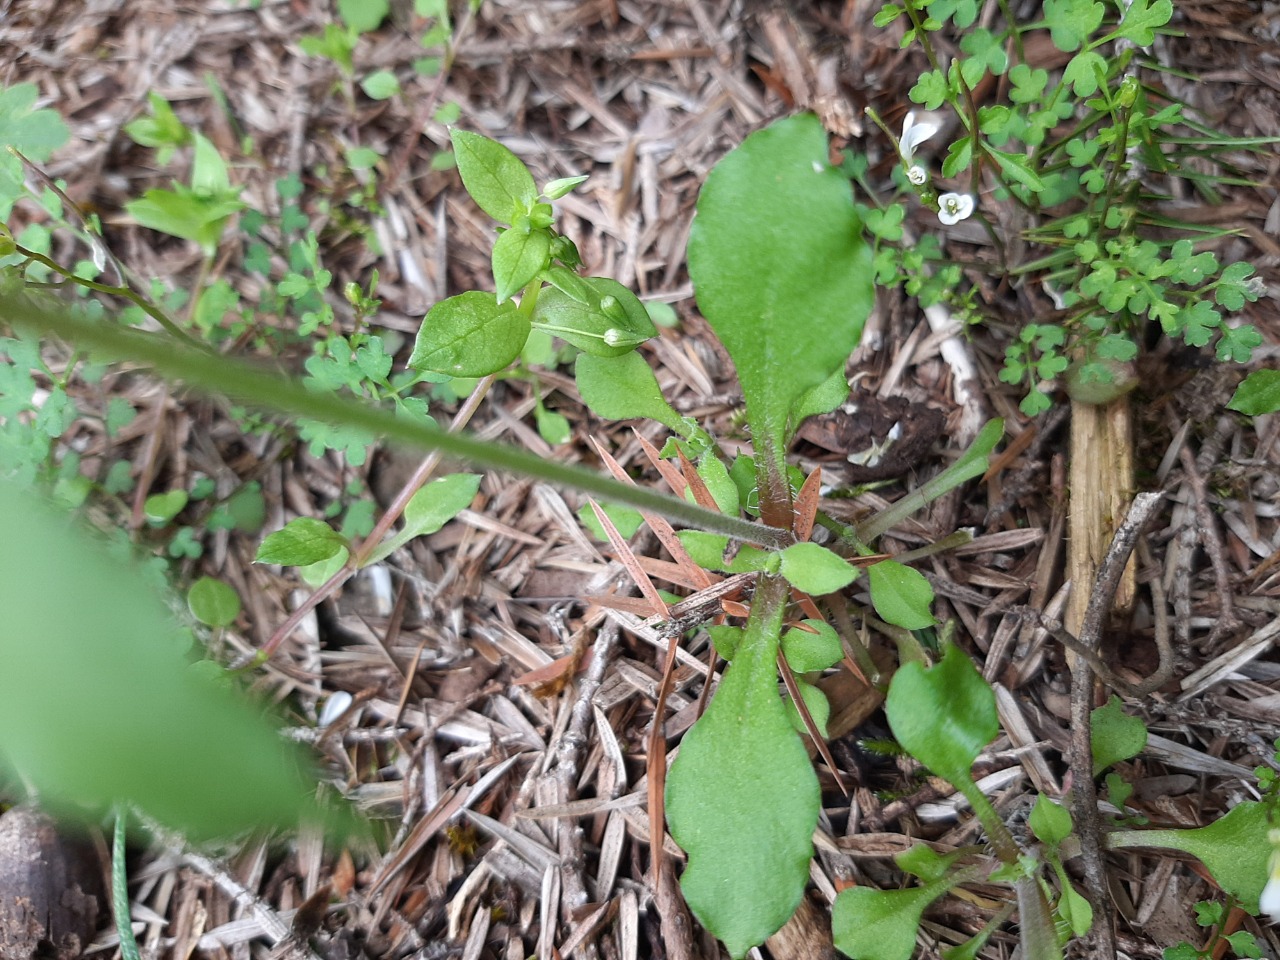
x=917 y=175
x=954 y=207
x=1269 y=902
x=913 y=134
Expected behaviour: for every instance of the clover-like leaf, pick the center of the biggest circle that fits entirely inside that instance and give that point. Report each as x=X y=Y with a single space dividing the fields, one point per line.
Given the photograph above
x=1115 y=735
x=1071 y=22
x=742 y=799
x=469 y=335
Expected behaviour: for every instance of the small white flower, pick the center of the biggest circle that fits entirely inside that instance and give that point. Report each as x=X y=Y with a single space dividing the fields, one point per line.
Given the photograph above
x=1269 y=902
x=917 y=175
x=954 y=207
x=913 y=134
x=335 y=707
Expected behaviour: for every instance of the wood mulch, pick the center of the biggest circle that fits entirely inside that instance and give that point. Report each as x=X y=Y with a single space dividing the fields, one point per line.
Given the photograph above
x=501 y=706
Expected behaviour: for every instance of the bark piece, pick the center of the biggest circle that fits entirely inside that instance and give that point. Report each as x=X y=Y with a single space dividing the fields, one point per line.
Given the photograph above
x=50 y=889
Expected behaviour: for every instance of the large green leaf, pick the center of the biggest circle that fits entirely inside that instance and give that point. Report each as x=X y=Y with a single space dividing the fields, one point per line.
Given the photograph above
x=98 y=704
x=869 y=924
x=498 y=181
x=780 y=268
x=742 y=797
x=943 y=715
x=621 y=388
x=469 y=335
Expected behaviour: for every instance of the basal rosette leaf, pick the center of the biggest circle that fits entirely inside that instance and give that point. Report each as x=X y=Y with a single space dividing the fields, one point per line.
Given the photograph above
x=742 y=799
x=780 y=268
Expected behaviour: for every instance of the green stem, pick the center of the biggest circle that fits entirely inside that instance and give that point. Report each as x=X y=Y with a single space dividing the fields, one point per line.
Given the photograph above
x=137 y=299
x=267 y=389
x=120 y=890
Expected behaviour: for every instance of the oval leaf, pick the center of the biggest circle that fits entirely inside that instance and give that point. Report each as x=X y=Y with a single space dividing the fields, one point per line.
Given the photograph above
x=814 y=649
x=742 y=800
x=601 y=317
x=901 y=595
x=470 y=335
x=302 y=541
x=213 y=603
x=439 y=502
x=497 y=180
x=623 y=388
x=815 y=569
x=1115 y=735
x=98 y=704
x=880 y=924
x=780 y=267
x=942 y=715
x=518 y=257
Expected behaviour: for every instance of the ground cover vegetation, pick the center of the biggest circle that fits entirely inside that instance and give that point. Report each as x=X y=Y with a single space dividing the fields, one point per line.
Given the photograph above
x=811 y=629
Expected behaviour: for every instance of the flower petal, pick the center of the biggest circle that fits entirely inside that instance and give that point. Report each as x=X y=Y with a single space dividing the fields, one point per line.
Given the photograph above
x=954 y=207
x=914 y=134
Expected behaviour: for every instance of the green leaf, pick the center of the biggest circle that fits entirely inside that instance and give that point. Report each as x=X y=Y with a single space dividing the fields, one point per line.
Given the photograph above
x=363 y=15
x=819 y=707
x=181 y=212
x=769 y=214
x=881 y=924
x=1234 y=848
x=815 y=569
x=470 y=335
x=213 y=602
x=623 y=388
x=78 y=724
x=1259 y=393
x=626 y=520
x=1083 y=72
x=1015 y=167
x=1141 y=20
x=814 y=649
x=163 y=507
x=380 y=85
x=209 y=176
x=497 y=180
x=518 y=257
x=823 y=398
x=430 y=509
x=1071 y=22
x=901 y=595
x=943 y=715
x=301 y=541
x=601 y=317
x=1115 y=735
x=721 y=487
x=742 y=798
x=1049 y=821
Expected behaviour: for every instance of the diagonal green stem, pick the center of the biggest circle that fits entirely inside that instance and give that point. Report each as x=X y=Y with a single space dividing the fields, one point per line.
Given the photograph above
x=268 y=389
